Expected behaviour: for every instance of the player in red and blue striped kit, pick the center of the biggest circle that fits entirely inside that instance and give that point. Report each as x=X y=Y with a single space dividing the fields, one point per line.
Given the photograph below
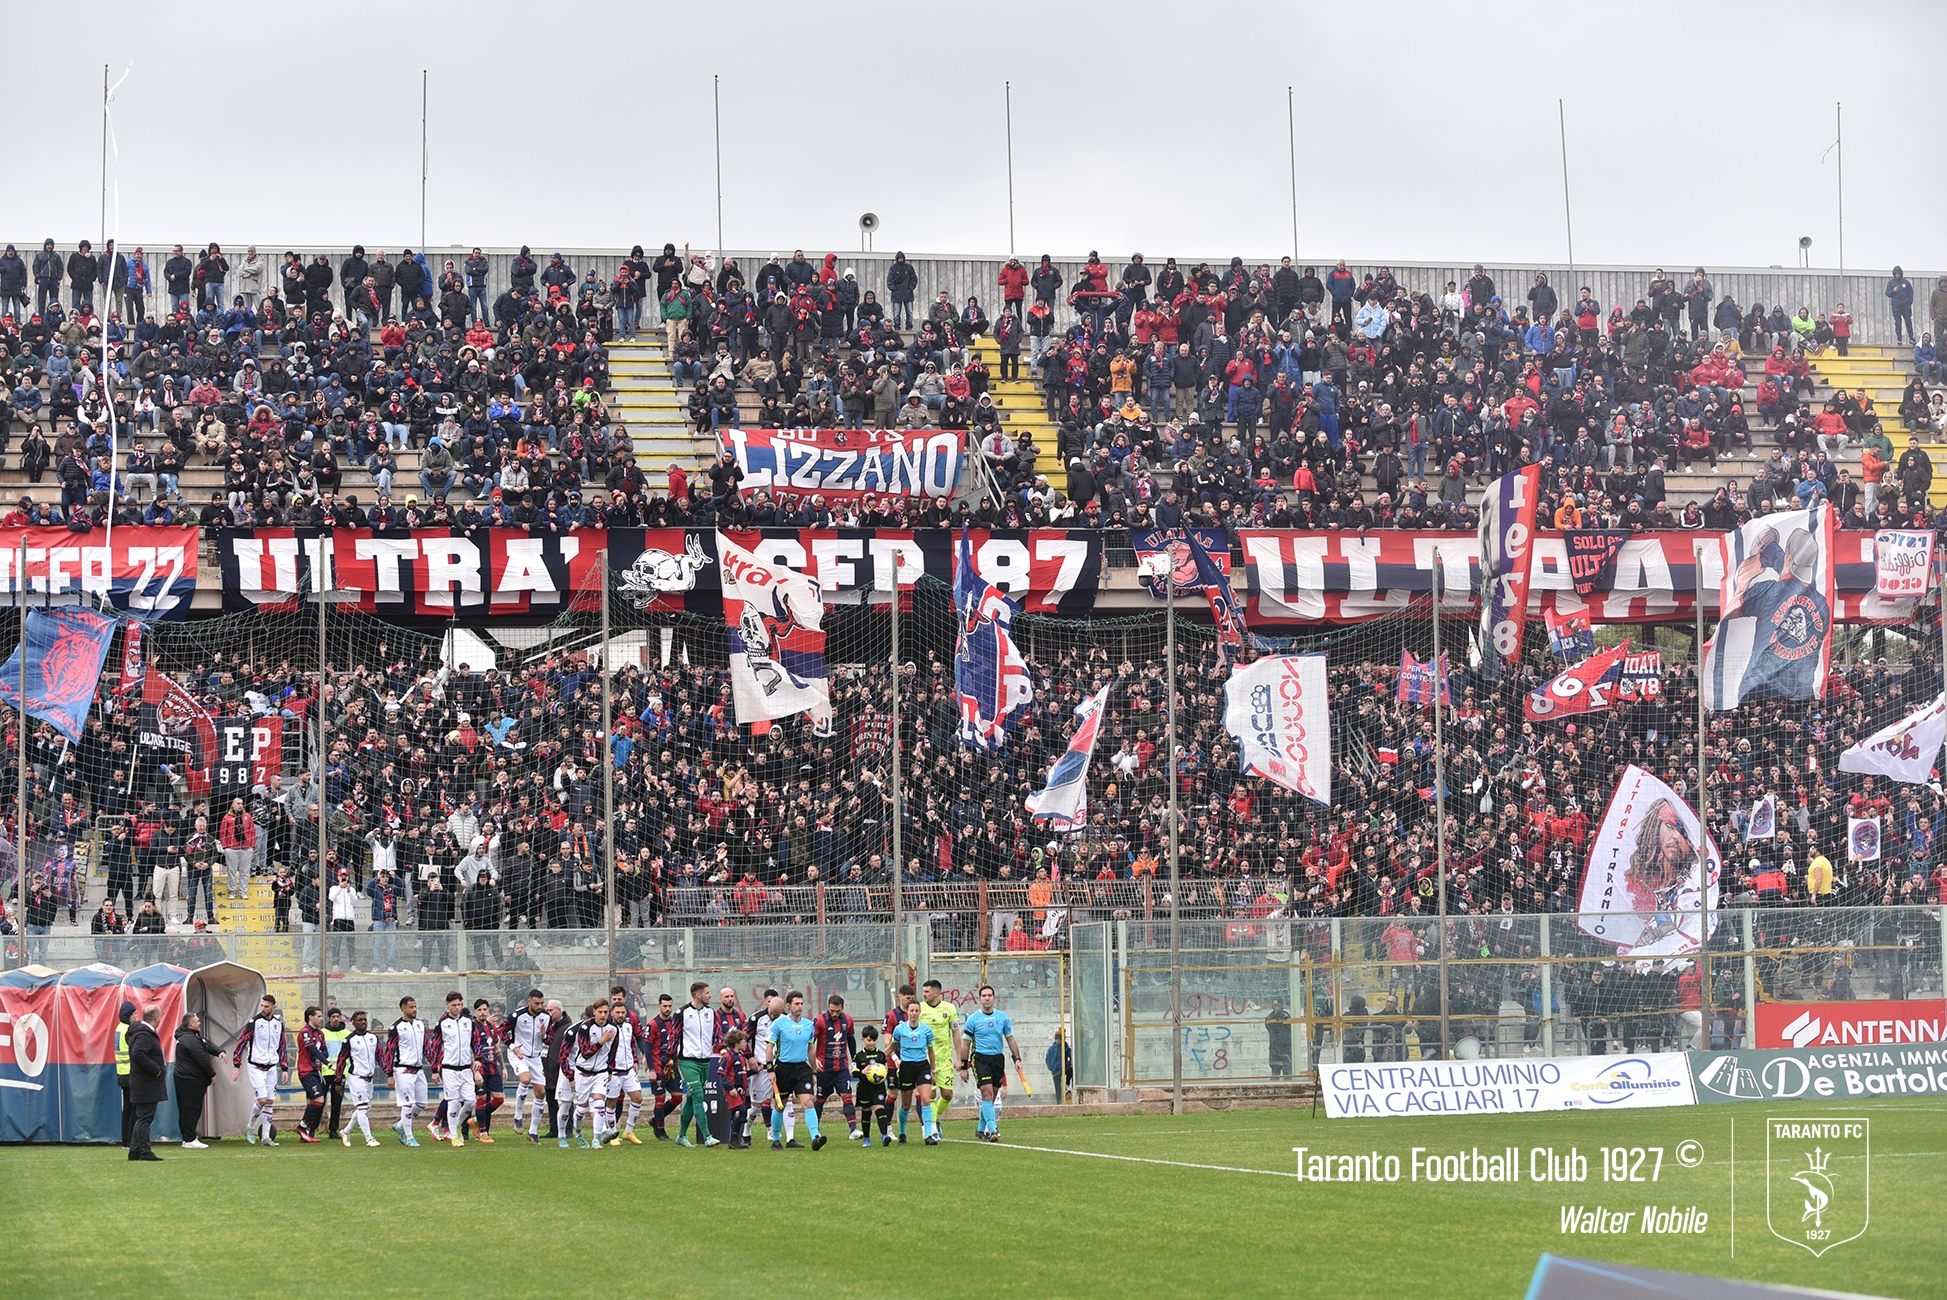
x=664 y=1043
x=311 y=1064
x=834 y=1044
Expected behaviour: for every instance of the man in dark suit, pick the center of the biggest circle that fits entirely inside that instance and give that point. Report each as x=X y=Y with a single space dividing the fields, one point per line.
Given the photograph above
x=147 y=1082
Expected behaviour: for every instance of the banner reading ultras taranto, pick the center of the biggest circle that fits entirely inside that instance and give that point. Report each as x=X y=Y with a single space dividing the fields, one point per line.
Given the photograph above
x=436 y=572
x=146 y=572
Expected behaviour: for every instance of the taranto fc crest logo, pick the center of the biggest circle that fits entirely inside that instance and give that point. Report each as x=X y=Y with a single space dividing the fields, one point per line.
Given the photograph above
x=1818 y=1181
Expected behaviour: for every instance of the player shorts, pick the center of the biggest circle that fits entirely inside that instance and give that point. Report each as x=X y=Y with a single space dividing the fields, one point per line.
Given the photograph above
x=409 y=1084
x=263 y=1083
x=458 y=1086
x=989 y=1070
x=491 y=1082
x=525 y=1070
x=667 y=1084
x=314 y=1089
x=869 y=1097
x=833 y=1083
x=943 y=1072
x=793 y=1078
x=358 y=1091
x=914 y=1073
x=762 y=1086
x=588 y=1086
x=621 y=1082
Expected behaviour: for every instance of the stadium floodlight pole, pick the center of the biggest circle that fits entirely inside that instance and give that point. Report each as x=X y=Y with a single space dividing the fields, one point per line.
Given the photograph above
x=321 y=583
x=20 y=723
x=104 y=173
x=1568 y=216
x=1440 y=813
x=423 y=164
x=1703 y=817
x=898 y=908
x=1007 y=88
x=1291 y=139
x=1176 y=946
x=609 y=905
x=1839 y=143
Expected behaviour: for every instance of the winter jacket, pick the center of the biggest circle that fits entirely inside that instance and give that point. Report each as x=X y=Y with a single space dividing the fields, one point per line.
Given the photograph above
x=13 y=275
x=47 y=267
x=1047 y=282
x=902 y=281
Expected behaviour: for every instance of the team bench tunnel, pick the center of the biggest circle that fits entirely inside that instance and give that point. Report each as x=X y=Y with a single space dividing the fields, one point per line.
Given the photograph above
x=57 y=1046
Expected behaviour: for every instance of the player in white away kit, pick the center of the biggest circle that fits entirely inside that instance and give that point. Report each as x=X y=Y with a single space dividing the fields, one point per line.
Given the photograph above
x=358 y=1062
x=262 y=1044
x=457 y=1039
x=527 y=1050
x=763 y=1060
x=405 y=1060
x=623 y=1080
x=592 y=1050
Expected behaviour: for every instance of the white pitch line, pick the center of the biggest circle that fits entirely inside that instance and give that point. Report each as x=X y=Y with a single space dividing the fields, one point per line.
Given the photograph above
x=1136 y=1160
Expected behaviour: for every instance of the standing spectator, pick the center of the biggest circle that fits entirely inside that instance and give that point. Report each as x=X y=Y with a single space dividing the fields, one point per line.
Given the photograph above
x=213 y=273
x=147 y=1084
x=238 y=836
x=84 y=268
x=135 y=295
x=13 y=284
x=1013 y=281
x=176 y=275
x=47 y=278
x=252 y=274
x=1937 y=310
x=475 y=269
x=902 y=282
x=1697 y=299
x=1899 y=296
x=195 y=1071
x=1061 y=1067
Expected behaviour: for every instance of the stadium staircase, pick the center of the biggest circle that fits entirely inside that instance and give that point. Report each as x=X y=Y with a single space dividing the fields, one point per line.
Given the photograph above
x=643 y=396
x=252 y=918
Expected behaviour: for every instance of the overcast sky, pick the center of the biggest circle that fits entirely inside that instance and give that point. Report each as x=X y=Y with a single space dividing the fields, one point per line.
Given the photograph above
x=1424 y=132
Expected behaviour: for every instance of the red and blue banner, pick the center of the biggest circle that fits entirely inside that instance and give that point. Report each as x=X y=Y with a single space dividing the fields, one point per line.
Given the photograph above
x=1592 y=558
x=1569 y=635
x=1590 y=685
x=57 y=1050
x=989 y=673
x=65 y=649
x=1507 y=533
x=1062 y=805
x=847 y=464
x=145 y=572
x=1420 y=682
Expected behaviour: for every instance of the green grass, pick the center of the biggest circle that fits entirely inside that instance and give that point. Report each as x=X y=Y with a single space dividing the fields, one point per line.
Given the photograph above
x=512 y=1219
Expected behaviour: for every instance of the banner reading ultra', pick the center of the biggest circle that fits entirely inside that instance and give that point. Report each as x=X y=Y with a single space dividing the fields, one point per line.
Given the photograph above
x=436 y=572
x=845 y=464
x=148 y=573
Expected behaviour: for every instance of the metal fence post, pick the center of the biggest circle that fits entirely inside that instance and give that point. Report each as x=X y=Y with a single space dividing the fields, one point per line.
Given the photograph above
x=1751 y=984
x=1547 y=991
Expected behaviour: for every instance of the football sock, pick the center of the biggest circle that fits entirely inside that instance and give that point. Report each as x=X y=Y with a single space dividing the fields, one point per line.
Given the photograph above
x=811 y=1122
x=635 y=1113
x=986 y=1116
x=902 y=1121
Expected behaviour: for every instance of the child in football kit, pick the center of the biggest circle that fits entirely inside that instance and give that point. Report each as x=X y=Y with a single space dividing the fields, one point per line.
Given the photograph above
x=870 y=1063
x=732 y=1069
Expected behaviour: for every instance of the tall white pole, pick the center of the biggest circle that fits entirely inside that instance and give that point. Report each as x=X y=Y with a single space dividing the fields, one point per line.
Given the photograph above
x=1440 y=814
x=425 y=158
x=20 y=720
x=1008 y=89
x=1568 y=216
x=716 y=108
x=1703 y=818
x=898 y=905
x=1176 y=906
x=1291 y=139
x=321 y=583
x=1839 y=120
x=609 y=905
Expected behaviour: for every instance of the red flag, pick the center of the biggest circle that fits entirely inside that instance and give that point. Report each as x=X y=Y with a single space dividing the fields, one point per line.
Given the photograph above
x=1588 y=686
x=173 y=722
x=134 y=668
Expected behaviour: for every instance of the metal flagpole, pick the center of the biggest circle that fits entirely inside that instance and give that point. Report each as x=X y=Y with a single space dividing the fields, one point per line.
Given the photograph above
x=1176 y=947
x=1008 y=88
x=1703 y=815
x=716 y=102
x=1291 y=138
x=104 y=165
x=1568 y=217
x=1839 y=119
x=1440 y=814
x=20 y=720
x=423 y=159
x=321 y=583
x=898 y=907
x=610 y=905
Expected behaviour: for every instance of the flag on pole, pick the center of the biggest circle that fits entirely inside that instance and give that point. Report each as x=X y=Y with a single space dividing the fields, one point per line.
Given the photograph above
x=65 y=650
x=1774 y=637
x=1063 y=803
x=1907 y=750
x=1419 y=682
x=1506 y=535
x=989 y=673
x=175 y=723
x=133 y=665
x=1569 y=635
x=777 y=642
x=1642 y=889
x=1862 y=839
x=1277 y=710
x=1763 y=822
x=1193 y=565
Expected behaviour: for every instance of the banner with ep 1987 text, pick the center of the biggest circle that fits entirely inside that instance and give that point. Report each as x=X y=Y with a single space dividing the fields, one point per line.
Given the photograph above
x=147 y=573
x=846 y=464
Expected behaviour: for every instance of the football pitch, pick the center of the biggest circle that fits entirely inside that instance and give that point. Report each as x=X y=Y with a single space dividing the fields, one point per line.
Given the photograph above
x=1152 y=1205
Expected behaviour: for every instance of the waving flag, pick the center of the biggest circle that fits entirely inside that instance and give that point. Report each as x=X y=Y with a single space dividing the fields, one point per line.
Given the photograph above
x=1905 y=751
x=1277 y=710
x=65 y=650
x=1763 y=822
x=1774 y=639
x=1195 y=566
x=989 y=673
x=1063 y=804
x=1642 y=889
x=1419 y=682
x=777 y=642
x=1588 y=686
x=1569 y=635
x=1592 y=559
x=1506 y=543
x=175 y=724
x=134 y=667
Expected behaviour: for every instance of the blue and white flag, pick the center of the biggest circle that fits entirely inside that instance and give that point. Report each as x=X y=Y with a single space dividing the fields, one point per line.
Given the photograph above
x=989 y=673
x=1774 y=634
x=777 y=641
x=65 y=651
x=1063 y=805
x=1763 y=821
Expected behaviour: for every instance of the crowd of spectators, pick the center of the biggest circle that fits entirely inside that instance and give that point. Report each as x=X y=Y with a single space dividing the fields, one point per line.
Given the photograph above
x=1236 y=397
